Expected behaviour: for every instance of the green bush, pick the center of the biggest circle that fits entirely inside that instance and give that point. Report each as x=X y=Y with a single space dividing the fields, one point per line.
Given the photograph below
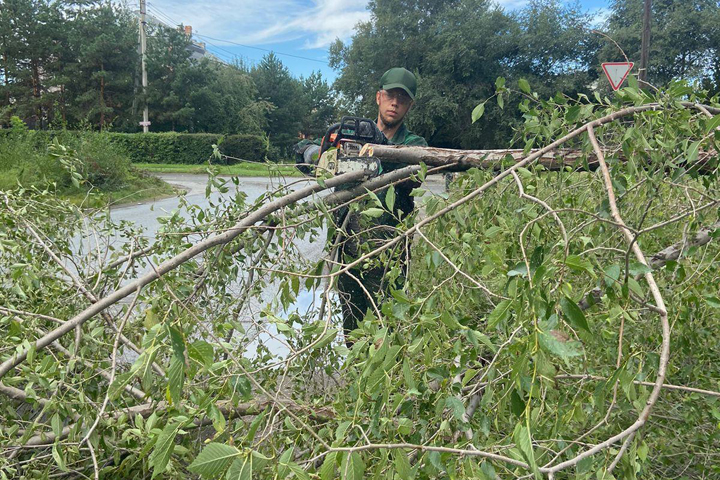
x=246 y=147
x=25 y=157
x=188 y=148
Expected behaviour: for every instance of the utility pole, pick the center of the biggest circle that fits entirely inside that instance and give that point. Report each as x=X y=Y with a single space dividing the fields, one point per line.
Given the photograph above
x=143 y=46
x=645 y=46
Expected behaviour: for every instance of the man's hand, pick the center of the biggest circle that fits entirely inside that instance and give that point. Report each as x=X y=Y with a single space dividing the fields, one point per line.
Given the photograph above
x=306 y=152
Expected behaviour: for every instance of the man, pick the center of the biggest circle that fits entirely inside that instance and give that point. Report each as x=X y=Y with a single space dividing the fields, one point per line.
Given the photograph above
x=394 y=99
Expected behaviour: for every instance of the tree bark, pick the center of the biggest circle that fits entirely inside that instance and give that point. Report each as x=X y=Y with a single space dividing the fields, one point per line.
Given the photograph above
x=102 y=100
x=557 y=159
x=176 y=261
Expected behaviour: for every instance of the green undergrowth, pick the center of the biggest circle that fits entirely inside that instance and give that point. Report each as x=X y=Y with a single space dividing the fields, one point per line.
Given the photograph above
x=86 y=168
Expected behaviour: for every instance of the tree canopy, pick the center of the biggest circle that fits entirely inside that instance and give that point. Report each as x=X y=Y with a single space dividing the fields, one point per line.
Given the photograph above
x=76 y=65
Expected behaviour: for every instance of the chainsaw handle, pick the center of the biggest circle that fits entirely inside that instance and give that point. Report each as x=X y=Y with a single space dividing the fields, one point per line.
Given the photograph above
x=326 y=143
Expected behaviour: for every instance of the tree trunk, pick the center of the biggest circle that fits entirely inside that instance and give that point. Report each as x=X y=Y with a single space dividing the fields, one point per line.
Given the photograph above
x=36 y=92
x=5 y=76
x=102 y=98
x=63 y=110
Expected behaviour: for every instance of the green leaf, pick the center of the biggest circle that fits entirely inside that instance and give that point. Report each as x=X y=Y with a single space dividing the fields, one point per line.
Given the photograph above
x=488 y=471
x=693 y=152
x=572 y=114
x=499 y=314
x=573 y=314
x=637 y=268
x=241 y=469
x=164 y=447
x=517 y=404
x=456 y=406
x=325 y=340
x=712 y=124
x=217 y=417
x=327 y=469
x=579 y=264
x=612 y=275
x=283 y=469
x=522 y=439
x=564 y=350
x=254 y=425
x=402 y=465
x=57 y=456
x=390 y=198
x=500 y=82
x=519 y=270
x=478 y=112
x=202 y=352
x=242 y=385
x=373 y=212
x=56 y=423
x=713 y=301
x=501 y=101
x=352 y=467
x=524 y=85
x=176 y=378
x=298 y=471
x=213 y=459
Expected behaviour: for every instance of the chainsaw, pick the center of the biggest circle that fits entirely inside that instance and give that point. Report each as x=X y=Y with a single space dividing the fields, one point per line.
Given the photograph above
x=339 y=151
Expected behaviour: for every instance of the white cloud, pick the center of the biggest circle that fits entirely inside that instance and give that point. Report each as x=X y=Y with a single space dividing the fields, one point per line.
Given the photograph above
x=599 y=16
x=316 y=23
x=512 y=4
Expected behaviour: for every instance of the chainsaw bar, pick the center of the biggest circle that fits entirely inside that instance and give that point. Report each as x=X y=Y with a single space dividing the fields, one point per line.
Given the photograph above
x=330 y=162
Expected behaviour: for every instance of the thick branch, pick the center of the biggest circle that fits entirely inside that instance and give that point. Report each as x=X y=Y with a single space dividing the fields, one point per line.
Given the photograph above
x=666 y=386
x=176 y=261
x=702 y=237
x=556 y=159
x=146 y=409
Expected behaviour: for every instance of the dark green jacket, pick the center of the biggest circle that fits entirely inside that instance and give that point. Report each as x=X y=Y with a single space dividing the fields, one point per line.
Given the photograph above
x=403 y=200
x=403 y=136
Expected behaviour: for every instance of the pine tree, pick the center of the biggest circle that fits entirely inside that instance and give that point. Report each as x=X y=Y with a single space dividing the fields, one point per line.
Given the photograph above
x=104 y=38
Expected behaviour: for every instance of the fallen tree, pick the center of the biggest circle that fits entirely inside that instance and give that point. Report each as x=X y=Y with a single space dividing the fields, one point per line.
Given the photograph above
x=463 y=373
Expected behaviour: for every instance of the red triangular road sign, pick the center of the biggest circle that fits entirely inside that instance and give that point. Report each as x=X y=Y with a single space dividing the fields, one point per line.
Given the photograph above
x=617 y=72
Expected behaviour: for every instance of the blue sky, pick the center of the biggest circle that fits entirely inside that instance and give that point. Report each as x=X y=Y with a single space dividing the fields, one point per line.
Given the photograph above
x=290 y=28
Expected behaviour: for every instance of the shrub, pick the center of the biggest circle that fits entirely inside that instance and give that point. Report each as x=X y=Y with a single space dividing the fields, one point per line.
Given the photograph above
x=188 y=148
x=246 y=147
x=25 y=158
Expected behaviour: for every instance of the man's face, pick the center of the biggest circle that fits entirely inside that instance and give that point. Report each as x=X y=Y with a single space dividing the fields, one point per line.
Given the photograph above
x=393 y=104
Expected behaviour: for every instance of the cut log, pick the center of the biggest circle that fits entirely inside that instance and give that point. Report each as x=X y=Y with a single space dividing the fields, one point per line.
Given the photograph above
x=492 y=159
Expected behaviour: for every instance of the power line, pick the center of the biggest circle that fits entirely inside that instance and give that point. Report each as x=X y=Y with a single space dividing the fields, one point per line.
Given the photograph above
x=230 y=56
x=160 y=12
x=227 y=52
x=265 y=49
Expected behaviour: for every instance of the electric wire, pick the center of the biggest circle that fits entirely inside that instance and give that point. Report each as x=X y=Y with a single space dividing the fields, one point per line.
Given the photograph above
x=265 y=49
x=168 y=18
x=227 y=57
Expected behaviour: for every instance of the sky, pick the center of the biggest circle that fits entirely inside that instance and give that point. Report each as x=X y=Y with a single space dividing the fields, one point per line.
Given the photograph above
x=298 y=31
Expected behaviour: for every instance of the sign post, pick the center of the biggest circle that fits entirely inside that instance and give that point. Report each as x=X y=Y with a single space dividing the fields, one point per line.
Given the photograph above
x=617 y=72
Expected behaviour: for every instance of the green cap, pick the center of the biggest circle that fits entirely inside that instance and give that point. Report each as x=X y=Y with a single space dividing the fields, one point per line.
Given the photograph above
x=399 y=78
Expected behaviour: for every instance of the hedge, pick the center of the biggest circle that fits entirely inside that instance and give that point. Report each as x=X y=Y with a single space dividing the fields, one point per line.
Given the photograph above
x=170 y=147
x=188 y=148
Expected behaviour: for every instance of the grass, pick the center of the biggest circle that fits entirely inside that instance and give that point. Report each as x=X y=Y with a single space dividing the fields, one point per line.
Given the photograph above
x=139 y=187
x=84 y=168
x=239 y=169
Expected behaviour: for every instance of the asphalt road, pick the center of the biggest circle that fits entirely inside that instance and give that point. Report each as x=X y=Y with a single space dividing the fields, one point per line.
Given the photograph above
x=146 y=215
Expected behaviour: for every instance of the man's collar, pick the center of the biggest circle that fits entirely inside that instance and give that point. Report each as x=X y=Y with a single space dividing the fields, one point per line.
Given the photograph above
x=400 y=134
